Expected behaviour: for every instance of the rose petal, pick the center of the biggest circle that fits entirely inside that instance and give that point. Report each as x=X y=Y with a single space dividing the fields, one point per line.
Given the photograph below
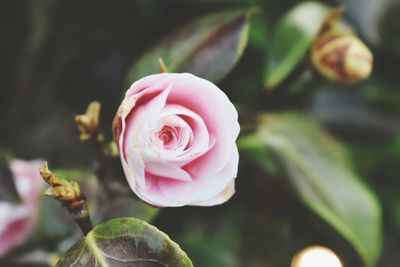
x=167 y=170
x=228 y=192
x=27 y=179
x=17 y=219
x=201 y=188
x=154 y=196
x=201 y=143
x=16 y=223
x=138 y=126
x=192 y=93
x=155 y=81
x=181 y=133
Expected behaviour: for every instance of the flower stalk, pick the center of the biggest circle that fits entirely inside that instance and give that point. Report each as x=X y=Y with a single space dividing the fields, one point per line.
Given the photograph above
x=88 y=125
x=71 y=197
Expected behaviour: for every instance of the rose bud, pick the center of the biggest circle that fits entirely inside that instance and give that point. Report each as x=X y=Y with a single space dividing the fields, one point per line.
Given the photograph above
x=18 y=219
x=176 y=135
x=341 y=57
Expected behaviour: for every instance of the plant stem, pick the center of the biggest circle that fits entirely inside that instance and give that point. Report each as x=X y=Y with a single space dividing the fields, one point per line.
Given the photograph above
x=79 y=212
x=71 y=197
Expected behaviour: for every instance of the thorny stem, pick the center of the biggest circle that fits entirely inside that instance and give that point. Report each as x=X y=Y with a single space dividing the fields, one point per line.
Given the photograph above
x=71 y=197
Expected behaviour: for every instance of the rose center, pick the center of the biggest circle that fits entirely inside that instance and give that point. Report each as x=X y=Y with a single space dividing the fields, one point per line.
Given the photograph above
x=166 y=135
x=172 y=136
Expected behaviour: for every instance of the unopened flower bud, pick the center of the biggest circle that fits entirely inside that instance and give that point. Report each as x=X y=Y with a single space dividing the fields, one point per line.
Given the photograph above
x=342 y=58
x=60 y=189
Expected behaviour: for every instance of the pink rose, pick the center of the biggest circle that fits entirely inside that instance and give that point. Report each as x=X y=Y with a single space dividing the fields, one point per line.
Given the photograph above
x=176 y=135
x=17 y=219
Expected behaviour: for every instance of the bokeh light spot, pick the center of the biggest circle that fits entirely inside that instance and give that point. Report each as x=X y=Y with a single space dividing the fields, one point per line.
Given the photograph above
x=316 y=256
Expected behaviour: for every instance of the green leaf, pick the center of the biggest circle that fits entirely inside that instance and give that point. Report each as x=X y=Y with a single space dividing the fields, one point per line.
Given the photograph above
x=259 y=33
x=320 y=172
x=125 y=242
x=292 y=39
x=216 y=243
x=251 y=147
x=208 y=47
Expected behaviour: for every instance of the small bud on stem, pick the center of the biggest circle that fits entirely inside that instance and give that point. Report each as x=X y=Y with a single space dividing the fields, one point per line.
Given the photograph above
x=71 y=197
x=88 y=123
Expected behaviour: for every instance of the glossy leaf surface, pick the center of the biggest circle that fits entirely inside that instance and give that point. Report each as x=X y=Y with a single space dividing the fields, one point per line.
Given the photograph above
x=252 y=147
x=125 y=242
x=292 y=39
x=321 y=174
x=208 y=47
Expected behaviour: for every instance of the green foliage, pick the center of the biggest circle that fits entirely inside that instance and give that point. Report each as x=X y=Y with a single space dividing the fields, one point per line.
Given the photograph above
x=259 y=36
x=253 y=148
x=292 y=39
x=125 y=241
x=209 y=47
x=215 y=245
x=320 y=173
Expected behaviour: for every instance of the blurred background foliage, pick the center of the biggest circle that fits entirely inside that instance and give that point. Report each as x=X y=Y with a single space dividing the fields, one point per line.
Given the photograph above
x=320 y=168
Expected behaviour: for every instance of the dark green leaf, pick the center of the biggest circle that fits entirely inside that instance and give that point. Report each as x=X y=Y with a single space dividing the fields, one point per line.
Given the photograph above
x=254 y=149
x=125 y=242
x=216 y=243
x=208 y=47
x=320 y=172
x=259 y=33
x=292 y=39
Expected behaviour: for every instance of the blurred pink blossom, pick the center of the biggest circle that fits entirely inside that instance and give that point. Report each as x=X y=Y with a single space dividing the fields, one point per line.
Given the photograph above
x=17 y=220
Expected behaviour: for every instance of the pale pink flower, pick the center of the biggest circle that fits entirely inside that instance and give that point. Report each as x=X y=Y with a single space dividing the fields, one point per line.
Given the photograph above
x=18 y=219
x=176 y=135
